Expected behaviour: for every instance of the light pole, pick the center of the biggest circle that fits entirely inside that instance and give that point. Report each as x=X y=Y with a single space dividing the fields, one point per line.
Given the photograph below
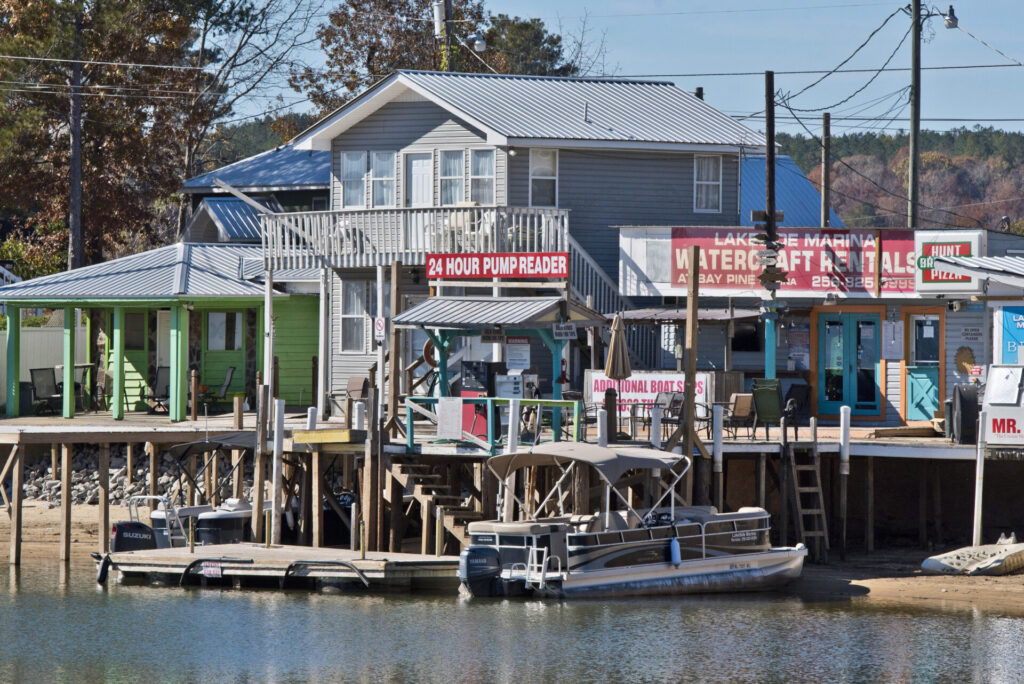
x=917 y=18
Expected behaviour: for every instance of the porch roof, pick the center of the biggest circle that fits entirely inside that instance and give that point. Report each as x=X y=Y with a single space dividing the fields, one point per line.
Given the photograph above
x=489 y=313
x=1008 y=270
x=180 y=271
x=660 y=314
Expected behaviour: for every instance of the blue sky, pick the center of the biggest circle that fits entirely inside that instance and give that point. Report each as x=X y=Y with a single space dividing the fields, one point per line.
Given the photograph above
x=655 y=37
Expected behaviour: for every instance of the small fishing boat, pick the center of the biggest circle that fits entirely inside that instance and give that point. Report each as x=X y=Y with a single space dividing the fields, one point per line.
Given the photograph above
x=170 y=525
x=666 y=550
x=1005 y=557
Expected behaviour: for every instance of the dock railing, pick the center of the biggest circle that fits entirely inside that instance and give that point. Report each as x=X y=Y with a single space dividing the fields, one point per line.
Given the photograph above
x=422 y=406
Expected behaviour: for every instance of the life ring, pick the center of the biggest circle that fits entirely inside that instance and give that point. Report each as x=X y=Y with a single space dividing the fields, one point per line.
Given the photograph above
x=428 y=353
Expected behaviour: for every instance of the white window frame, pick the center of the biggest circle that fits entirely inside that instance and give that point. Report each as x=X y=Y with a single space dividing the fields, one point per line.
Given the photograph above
x=342 y=316
x=554 y=178
x=492 y=177
x=441 y=178
x=697 y=183
x=393 y=179
x=361 y=179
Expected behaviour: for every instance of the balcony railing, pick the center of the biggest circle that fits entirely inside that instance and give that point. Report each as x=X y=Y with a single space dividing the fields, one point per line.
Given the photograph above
x=362 y=238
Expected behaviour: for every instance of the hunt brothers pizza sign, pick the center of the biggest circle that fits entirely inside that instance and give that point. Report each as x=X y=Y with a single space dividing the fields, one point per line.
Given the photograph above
x=817 y=260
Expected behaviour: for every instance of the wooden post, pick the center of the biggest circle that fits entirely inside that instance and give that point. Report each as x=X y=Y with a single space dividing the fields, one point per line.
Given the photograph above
x=395 y=357
x=190 y=481
x=700 y=475
x=55 y=461
x=397 y=510
x=259 y=460
x=762 y=466
x=129 y=464
x=427 y=520
x=306 y=499
x=237 y=487
x=718 y=466
x=869 y=504
x=103 y=473
x=213 y=479
x=370 y=483
x=317 y=496
x=17 y=497
x=65 y=501
x=194 y=385
x=937 y=501
x=844 y=474
x=154 y=470
x=784 y=460
x=922 y=505
x=826 y=167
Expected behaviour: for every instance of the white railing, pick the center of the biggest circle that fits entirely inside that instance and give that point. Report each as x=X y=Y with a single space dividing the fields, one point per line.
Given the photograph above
x=362 y=238
x=588 y=278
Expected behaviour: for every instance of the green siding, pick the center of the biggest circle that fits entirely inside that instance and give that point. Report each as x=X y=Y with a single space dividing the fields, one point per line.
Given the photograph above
x=215 y=363
x=295 y=344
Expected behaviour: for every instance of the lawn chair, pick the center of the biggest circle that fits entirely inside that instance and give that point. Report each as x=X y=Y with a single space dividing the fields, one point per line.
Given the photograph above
x=161 y=390
x=739 y=414
x=47 y=393
x=588 y=418
x=209 y=397
x=768 y=407
x=672 y=415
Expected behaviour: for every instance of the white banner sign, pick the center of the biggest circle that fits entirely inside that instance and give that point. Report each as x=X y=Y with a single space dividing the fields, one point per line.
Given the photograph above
x=643 y=387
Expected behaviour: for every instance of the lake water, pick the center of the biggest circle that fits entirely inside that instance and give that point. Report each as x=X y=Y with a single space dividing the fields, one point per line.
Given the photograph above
x=61 y=627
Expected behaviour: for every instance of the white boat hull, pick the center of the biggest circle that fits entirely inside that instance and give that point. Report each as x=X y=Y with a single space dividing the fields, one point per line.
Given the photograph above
x=986 y=559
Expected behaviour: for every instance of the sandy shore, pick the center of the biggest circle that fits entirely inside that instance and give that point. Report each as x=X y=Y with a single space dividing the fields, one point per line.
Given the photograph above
x=890 y=578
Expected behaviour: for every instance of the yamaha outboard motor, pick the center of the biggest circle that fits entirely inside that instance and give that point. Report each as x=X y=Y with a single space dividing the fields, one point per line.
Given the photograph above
x=131 y=536
x=480 y=571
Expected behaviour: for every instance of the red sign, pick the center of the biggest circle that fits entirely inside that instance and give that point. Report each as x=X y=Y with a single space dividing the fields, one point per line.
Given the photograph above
x=930 y=250
x=817 y=260
x=498 y=265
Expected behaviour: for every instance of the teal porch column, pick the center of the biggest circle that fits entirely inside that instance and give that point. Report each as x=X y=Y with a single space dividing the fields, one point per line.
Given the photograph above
x=179 y=364
x=117 y=356
x=556 y=347
x=13 y=360
x=442 y=342
x=69 y=362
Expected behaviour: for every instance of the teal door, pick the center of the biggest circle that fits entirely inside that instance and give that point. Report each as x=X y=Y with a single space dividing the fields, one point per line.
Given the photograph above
x=849 y=347
x=923 y=368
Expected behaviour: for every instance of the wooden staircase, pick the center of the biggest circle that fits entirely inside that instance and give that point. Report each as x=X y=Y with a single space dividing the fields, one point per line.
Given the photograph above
x=437 y=501
x=808 y=501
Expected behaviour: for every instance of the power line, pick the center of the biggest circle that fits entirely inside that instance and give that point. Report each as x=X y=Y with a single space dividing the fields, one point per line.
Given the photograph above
x=990 y=47
x=812 y=72
x=89 y=61
x=738 y=11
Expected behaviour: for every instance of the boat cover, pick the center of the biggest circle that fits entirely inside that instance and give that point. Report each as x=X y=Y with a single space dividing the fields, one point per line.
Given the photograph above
x=245 y=439
x=610 y=462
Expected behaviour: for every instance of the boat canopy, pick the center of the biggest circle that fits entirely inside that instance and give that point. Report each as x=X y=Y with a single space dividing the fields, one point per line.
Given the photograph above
x=610 y=462
x=245 y=439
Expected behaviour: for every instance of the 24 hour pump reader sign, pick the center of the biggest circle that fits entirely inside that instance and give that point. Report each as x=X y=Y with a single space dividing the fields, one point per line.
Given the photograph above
x=498 y=265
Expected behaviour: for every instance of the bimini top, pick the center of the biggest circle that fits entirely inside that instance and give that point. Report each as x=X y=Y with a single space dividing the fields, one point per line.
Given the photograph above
x=491 y=313
x=611 y=463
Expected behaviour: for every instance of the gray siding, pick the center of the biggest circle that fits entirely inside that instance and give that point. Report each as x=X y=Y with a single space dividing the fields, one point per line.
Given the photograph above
x=605 y=188
x=412 y=126
x=955 y=324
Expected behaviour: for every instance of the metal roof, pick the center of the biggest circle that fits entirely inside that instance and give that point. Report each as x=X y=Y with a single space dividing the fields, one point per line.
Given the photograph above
x=591 y=112
x=655 y=315
x=280 y=168
x=183 y=270
x=1003 y=269
x=795 y=195
x=474 y=313
x=236 y=220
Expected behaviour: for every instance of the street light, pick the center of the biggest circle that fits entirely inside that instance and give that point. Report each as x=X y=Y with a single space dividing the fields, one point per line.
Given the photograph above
x=917 y=18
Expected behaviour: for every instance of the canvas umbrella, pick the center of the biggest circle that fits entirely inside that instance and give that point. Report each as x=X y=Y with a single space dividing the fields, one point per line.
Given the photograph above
x=616 y=365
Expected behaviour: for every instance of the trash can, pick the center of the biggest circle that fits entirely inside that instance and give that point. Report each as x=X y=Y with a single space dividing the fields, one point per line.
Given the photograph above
x=25 y=399
x=947 y=412
x=965 y=414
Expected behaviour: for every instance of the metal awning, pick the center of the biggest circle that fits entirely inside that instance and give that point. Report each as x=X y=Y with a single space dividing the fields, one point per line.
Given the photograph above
x=1005 y=269
x=491 y=313
x=658 y=315
x=611 y=463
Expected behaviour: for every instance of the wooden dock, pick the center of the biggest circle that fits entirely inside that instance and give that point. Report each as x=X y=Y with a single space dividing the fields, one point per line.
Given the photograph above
x=249 y=564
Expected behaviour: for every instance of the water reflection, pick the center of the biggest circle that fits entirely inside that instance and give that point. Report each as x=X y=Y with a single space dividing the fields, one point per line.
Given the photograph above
x=139 y=633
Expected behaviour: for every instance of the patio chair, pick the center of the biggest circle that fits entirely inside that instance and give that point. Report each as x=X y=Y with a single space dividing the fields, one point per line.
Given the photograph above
x=160 y=393
x=767 y=404
x=47 y=393
x=588 y=418
x=209 y=397
x=673 y=412
x=739 y=413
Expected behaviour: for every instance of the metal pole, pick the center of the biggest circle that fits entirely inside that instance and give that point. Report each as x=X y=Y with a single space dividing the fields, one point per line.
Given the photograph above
x=716 y=423
x=979 y=480
x=268 y=330
x=915 y=110
x=275 y=491
x=844 y=474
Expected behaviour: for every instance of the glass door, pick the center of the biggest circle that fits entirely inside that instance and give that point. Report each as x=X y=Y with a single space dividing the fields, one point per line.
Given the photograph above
x=848 y=368
x=923 y=368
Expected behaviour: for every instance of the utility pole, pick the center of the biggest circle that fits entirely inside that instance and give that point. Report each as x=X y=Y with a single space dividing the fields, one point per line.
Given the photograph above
x=826 y=168
x=446 y=36
x=769 y=221
x=76 y=243
x=915 y=110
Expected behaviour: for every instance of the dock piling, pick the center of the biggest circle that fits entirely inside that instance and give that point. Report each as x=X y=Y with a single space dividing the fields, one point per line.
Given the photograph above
x=844 y=474
x=103 y=473
x=65 y=502
x=17 y=459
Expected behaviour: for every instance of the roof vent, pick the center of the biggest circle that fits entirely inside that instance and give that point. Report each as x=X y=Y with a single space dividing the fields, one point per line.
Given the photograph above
x=586 y=112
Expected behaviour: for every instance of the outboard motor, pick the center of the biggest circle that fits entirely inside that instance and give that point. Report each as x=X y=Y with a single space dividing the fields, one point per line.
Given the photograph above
x=480 y=571
x=131 y=536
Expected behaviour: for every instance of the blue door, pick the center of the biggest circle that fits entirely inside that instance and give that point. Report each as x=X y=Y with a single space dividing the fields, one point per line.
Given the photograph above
x=849 y=347
x=923 y=368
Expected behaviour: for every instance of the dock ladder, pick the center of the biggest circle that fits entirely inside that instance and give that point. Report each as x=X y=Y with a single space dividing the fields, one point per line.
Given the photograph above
x=808 y=500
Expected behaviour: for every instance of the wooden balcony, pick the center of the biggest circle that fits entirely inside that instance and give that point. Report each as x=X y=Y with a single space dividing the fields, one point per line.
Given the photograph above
x=364 y=238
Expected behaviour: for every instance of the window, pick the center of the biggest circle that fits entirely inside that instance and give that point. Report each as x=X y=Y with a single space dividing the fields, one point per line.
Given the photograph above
x=135 y=331
x=481 y=184
x=353 y=316
x=746 y=337
x=223 y=331
x=707 y=184
x=543 y=178
x=452 y=172
x=382 y=172
x=320 y=204
x=353 y=171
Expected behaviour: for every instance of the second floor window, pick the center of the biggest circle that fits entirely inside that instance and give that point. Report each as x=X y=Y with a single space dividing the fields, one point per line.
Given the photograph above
x=543 y=178
x=353 y=173
x=452 y=172
x=481 y=187
x=382 y=171
x=707 y=184
x=353 y=316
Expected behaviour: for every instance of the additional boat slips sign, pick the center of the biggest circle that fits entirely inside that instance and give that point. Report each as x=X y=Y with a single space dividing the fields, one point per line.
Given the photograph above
x=816 y=260
x=642 y=388
x=498 y=265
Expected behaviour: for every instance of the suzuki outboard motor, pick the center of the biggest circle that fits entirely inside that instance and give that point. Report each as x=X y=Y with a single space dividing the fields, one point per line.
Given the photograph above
x=480 y=571
x=131 y=536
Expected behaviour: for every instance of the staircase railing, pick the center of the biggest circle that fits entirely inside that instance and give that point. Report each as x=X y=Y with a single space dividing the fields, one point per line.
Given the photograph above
x=588 y=278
